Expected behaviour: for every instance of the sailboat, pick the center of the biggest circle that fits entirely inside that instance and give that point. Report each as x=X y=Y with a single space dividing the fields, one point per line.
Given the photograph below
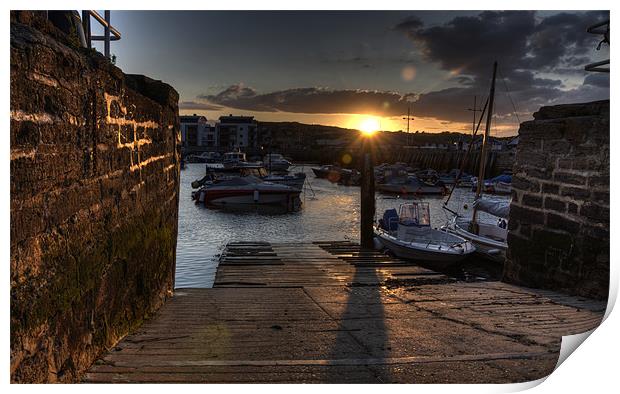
x=490 y=239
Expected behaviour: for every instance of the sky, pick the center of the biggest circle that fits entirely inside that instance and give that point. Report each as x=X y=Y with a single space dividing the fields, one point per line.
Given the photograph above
x=351 y=68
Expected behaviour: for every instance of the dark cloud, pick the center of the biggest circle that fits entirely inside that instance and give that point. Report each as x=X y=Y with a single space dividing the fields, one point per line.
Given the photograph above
x=597 y=79
x=469 y=44
x=561 y=39
x=525 y=47
x=313 y=100
x=411 y=23
x=198 y=105
x=518 y=40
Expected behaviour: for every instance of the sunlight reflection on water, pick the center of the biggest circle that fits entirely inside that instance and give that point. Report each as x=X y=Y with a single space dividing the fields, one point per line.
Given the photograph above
x=333 y=214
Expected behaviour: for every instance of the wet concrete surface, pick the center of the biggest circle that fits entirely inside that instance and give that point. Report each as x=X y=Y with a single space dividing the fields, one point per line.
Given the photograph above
x=293 y=313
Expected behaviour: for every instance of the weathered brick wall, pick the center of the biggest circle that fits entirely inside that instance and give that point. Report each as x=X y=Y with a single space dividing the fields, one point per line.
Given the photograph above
x=559 y=217
x=94 y=200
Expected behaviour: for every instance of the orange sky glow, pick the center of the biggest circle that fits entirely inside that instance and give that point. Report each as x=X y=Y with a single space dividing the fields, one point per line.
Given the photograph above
x=358 y=121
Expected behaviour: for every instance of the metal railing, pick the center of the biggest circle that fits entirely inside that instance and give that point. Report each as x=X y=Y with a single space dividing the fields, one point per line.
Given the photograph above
x=601 y=28
x=110 y=33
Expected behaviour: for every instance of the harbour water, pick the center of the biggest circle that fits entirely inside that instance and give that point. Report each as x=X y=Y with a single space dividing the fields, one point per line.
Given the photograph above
x=330 y=212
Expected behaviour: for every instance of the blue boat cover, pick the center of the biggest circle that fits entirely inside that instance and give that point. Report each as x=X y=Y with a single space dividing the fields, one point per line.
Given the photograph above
x=501 y=178
x=390 y=219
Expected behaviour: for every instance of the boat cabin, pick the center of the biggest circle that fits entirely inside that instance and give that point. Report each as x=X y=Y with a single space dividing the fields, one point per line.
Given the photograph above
x=234 y=157
x=414 y=214
x=256 y=171
x=414 y=221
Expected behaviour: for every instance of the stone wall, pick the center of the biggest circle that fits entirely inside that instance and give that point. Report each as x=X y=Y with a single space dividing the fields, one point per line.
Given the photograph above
x=559 y=217
x=94 y=200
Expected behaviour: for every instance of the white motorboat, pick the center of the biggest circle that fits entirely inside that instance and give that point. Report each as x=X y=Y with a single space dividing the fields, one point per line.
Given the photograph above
x=489 y=238
x=204 y=157
x=248 y=190
x=276 y=162
x=409 y=235
x=233 y=158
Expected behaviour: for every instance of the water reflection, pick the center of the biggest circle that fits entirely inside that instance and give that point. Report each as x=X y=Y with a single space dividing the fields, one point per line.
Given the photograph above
x=332 y=213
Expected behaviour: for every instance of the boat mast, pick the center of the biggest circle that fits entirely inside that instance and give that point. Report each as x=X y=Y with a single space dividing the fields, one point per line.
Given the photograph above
x=466 y=155
x=483 y=152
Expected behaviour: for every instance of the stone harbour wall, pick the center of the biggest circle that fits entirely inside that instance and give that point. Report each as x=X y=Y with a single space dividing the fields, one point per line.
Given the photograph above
x=94 y=200
x=559 y=216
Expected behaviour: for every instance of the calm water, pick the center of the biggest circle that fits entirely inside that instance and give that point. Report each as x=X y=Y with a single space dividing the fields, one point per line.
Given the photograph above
x=331 y=213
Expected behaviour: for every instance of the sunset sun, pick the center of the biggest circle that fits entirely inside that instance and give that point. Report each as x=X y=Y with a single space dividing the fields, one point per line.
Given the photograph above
x=369 y=125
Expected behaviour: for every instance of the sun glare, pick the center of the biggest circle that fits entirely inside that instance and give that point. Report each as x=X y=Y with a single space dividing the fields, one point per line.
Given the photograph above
x=368 y=126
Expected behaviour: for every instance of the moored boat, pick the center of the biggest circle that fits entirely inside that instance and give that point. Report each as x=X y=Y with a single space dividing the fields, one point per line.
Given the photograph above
x=489 y=238
x=276 y=162
x=204 y=157
x=501 y=184
x=327 y=171
x=248 y=190
x=219 y=174
x=349 y=177
x=411 y=185
x=409 y=235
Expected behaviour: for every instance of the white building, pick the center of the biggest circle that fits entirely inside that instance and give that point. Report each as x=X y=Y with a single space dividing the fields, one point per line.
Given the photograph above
x=196 y=132
x=237 y=132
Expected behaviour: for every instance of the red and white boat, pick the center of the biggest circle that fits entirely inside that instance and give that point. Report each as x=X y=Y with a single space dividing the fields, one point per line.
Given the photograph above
x=246 y=191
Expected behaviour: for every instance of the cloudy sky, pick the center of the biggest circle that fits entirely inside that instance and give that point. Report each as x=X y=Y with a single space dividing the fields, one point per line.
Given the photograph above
x=340 y=68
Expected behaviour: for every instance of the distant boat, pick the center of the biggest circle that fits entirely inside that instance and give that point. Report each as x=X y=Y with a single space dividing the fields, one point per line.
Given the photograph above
x=409 y=235
x=204 y=157
x=327 y=172
x=350 y=177
x=248 y=190
x=429 y=176
x=234 y=160
x=453 y=178
x=411 y=185
x=501 y=184
x=215 y=175
x=276 y=162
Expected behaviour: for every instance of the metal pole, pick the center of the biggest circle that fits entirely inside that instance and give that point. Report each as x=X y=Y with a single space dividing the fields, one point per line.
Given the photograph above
x=484 y=149
x=86 y=25
x=367 y=197
x=107 y=34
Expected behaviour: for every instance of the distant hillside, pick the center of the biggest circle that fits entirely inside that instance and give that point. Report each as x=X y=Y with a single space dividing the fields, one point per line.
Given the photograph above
x=310 y=134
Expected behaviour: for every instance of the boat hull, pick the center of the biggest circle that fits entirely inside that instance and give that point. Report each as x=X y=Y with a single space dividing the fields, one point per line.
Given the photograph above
x=409 y=189
x=490 y=249
x=294 y=181
x=435 y=259
x=250 y=197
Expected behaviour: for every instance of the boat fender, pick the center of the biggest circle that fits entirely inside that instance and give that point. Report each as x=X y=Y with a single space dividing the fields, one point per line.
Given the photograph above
x=202 y=196
x=256 y=195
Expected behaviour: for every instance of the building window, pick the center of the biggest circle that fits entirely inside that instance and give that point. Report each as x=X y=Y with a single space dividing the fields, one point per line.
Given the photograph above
x=192 y=135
